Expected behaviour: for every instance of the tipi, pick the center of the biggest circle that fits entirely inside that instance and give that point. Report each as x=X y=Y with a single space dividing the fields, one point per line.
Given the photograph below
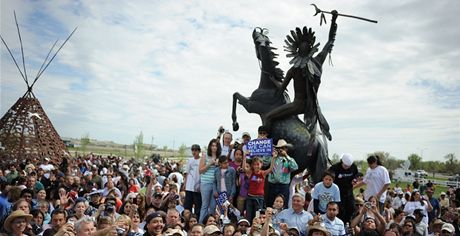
x=25 y=130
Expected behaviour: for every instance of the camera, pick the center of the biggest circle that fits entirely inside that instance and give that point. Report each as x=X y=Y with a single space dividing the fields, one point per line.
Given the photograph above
x=368 y=205
x=109 y=207
x=120 y=231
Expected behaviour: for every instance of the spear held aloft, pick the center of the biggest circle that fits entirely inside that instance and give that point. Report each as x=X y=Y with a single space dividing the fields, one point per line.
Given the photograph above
x=323 y=18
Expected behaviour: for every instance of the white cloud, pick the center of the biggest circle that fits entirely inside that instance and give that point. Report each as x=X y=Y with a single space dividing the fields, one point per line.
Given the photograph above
x=170 y=69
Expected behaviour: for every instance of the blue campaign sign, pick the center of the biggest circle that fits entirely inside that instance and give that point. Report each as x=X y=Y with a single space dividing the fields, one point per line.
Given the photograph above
x=260 y=147
x=221 y=198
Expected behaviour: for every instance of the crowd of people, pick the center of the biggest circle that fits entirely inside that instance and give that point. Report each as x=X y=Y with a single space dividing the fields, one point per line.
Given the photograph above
x=221 y=190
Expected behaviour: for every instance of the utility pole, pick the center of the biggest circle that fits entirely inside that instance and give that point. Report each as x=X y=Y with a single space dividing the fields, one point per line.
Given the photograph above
x=174 y=150
x=151 y=144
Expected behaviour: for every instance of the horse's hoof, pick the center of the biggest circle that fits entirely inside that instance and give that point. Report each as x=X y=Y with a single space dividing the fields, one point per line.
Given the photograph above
x=236 y=126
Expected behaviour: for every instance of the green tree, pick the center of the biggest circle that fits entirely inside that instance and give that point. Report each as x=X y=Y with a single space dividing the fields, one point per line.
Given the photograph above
x=451 y=163
x=432 y=166
x=182 y=152
x=392 y=163
x=335 y=158
x=84 y=142
x=415 y=161
x=139 y=145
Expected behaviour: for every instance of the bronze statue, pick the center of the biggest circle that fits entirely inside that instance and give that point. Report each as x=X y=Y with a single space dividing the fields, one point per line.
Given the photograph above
x=272 y=103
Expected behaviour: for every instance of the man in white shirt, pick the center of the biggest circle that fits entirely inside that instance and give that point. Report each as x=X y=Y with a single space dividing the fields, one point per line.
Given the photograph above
x=399 y=200
x=46 y=167
x=192 y=182
x=332 y=223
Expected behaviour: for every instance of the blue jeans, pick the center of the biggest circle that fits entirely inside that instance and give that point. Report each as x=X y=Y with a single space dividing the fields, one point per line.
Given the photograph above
x=253 y=204
x=208 y=202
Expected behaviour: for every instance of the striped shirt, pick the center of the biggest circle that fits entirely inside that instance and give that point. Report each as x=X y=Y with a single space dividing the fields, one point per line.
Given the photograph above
x=335 y=227
x=208 y=176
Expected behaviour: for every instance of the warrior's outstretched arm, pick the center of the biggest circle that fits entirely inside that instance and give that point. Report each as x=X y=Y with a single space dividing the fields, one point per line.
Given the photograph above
x=321 y=57
x=287 y=79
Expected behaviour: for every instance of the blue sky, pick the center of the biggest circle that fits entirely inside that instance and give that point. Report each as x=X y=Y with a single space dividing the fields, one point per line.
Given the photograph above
x=169 y=69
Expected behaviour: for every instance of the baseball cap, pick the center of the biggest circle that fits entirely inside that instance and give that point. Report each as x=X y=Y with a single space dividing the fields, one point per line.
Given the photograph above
x=195 y=147
x=243 y=220
x=246 y=134
x=210 y=229
x=347 y=159
x=448 y=227
x=171 y=232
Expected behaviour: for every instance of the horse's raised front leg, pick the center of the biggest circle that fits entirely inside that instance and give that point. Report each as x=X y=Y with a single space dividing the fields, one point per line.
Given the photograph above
x=241 y=100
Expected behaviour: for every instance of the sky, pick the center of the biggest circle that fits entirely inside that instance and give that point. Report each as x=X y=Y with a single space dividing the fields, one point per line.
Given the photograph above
x=169 y=69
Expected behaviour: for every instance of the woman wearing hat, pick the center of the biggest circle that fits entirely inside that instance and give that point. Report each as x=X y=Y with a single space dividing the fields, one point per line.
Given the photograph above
x=317 y=230
x=154 y=224
x=16 y=223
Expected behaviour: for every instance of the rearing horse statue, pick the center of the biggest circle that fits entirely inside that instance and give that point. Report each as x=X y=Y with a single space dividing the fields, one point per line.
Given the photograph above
x=270 y=99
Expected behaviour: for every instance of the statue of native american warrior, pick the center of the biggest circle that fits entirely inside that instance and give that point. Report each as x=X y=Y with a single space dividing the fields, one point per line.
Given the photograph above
x=306 y=72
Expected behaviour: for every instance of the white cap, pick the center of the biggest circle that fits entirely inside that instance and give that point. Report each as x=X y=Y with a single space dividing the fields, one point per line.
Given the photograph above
x=448 y=227
x=347 y=159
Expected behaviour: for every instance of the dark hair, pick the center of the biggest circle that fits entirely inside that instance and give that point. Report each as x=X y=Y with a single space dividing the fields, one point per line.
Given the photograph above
x=329 y=173
x=35 y=213
x=412 y=197
x=27 y=190
x=219 y=148
x=281 y=196
x=308 y=196
x=206 y=218
x=228 y=225
x=262 y=128
x=412 y=222
x=238 y=150
x=222 y=159
x=374 y=158
x=397 y=212
x=59 y=211
x=332 y=203
x=394 y=225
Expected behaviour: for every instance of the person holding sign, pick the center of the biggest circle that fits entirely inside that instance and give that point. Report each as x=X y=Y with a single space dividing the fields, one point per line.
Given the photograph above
x=224 y=179
x=255 y=198
x=280 y=178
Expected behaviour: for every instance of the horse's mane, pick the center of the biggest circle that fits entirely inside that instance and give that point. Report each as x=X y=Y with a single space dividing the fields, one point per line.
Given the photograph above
x=279 y=73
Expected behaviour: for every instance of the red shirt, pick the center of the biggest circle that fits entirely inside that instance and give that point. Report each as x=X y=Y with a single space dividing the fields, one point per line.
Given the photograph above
x=256 y=184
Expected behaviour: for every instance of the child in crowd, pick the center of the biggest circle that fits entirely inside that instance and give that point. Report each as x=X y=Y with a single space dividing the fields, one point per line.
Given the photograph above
x=325 y=192
x=224 y=180
x=255 y=199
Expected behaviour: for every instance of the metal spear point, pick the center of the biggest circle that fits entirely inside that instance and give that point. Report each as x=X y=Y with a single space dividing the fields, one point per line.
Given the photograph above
x=356 y=17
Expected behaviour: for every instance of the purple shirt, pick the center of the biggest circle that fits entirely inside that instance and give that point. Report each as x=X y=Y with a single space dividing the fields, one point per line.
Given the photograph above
x=244 y=180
